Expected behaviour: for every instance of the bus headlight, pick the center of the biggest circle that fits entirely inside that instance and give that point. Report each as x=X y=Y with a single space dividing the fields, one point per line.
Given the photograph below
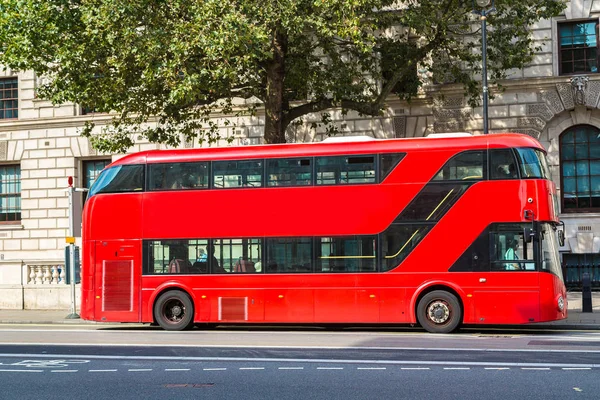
x=561 y=303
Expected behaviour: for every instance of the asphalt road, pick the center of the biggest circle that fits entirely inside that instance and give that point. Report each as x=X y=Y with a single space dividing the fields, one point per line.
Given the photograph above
x=78 y=362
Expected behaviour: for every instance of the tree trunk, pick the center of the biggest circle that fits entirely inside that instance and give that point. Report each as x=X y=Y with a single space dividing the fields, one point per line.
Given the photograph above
x=274 y=104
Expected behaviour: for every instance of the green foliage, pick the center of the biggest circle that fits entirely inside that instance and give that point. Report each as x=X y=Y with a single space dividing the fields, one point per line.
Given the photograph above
x=165 y=66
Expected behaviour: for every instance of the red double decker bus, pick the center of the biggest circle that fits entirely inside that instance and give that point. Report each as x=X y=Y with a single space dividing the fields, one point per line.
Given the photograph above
x=435 y=231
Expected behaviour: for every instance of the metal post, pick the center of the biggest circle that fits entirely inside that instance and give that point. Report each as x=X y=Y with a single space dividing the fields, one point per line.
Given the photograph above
x=484 y=70
x=480 y=7
x=586 y=293
x=73 y=314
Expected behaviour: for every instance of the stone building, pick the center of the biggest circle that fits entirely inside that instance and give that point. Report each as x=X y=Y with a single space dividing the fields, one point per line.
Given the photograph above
x=555 y=99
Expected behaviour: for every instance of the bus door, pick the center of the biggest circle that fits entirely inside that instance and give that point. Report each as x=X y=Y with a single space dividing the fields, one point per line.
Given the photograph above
x=117 y=280
x=509 y=292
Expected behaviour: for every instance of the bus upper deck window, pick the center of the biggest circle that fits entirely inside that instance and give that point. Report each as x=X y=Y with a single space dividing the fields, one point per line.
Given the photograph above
x=184 y=175
x=533 y=164
x=463 y=166
x=503 y=164
x=120 y=178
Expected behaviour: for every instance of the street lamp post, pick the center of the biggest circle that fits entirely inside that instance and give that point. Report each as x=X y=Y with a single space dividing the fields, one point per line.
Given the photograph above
x=483 y=8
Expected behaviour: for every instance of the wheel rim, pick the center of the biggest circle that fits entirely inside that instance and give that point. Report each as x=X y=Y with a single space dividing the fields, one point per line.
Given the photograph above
x=174 y=311
x=439 y=312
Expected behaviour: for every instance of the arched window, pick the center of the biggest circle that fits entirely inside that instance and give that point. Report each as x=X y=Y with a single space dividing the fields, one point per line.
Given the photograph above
x=580 y=168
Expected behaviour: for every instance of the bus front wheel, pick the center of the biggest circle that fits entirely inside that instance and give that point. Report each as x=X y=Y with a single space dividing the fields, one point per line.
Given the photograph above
x=174 y=311
x=439 y=312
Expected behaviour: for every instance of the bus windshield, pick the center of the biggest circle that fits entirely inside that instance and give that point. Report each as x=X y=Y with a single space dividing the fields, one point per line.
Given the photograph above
x=533 y=164
x=550 y=259
x=121 y=178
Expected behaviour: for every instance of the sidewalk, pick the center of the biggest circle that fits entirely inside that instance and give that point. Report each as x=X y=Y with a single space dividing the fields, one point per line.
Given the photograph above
x=575 y=320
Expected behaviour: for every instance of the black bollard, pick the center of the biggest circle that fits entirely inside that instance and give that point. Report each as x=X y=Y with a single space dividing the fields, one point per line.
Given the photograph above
x=586 y=293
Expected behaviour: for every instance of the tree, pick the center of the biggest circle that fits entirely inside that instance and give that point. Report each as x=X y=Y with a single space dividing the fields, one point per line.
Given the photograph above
x=165 y=66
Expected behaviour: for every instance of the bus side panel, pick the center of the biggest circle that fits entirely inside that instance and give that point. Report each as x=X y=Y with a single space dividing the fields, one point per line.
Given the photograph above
x=87 y=280
x=351 y=304
x=393 y=305
x=340 y=297
x=117 y=280
x=289 y=305
x=114 y=216
x=501 y=300
x=552 y=287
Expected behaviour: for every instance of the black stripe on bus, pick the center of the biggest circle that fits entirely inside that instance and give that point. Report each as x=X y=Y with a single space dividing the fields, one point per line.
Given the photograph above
x=417 y=220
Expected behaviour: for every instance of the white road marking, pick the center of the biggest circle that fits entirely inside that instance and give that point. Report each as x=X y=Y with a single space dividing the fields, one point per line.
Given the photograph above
x=301 y=368
x=576 y=369
x=21 y=370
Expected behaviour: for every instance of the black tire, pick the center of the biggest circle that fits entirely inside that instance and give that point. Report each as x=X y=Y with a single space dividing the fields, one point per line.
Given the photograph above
x=174 y=311
x=439 y=312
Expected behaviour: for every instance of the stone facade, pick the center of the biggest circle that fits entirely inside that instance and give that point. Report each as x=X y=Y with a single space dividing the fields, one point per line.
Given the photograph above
x=45 y=142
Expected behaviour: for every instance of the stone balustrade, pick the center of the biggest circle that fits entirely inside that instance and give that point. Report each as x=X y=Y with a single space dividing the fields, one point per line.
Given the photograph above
x=46 y=274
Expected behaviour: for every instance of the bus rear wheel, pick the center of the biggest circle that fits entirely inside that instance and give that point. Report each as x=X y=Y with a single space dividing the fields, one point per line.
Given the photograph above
x=174 y=311
x=439 y=312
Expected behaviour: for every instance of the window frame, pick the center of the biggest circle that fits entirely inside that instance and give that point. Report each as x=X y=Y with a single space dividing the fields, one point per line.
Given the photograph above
x=181 y=165
x=16 y=195
x=560 y=48
x=84 y=174
x=269 y=171
x=245 y=182
x=349 y=160
x=120 y=167
x=12 y=100
x=576 y=209
x=448 y=164
x=492 y=165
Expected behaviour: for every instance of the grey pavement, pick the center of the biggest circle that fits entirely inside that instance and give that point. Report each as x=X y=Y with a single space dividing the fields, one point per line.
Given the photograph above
x=576 y=318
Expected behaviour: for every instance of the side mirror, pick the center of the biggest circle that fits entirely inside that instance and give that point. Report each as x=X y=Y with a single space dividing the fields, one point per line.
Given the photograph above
x=561 y=233
x=561 y=237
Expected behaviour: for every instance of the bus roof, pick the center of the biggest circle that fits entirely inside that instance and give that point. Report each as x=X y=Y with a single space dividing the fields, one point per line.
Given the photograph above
x=333 y=148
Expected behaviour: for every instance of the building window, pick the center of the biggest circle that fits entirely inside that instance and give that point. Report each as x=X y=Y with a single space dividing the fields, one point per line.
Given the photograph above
x=10 y=193
x=91 y=170
x=578 y=47
x=9 y=98
x=580 y=168
x=87 y=110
